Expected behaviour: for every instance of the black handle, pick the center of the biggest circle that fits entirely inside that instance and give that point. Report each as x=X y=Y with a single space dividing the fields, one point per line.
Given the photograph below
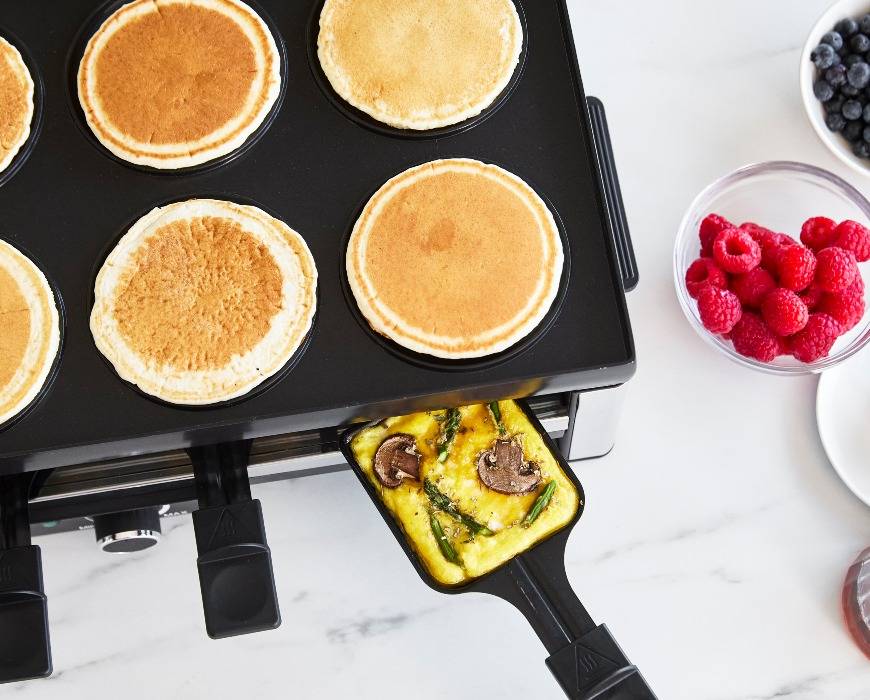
x=613 y=195
x=25 y=649
x=235 y=563
x=584 y=657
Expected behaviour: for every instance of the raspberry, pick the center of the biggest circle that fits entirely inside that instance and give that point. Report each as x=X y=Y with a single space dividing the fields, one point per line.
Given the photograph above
x=711 y=227
x=846 y=308
x=771 y=249
x=850 y=235
x=816 y=339
x=795 y=267
x=762 y=236
x=752 y=287
x=812 y=297
x=784 y=312
x=735 y=251
x=719 y=309
x=752 y=338
x=703 y=272
x=837 y=269
x=818 y=233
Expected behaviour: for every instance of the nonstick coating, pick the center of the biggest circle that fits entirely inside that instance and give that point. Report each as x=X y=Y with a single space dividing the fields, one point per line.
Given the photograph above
x=313 y=167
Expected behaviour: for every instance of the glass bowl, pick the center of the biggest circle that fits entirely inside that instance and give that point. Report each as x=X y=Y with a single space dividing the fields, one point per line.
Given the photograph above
x=779 y=196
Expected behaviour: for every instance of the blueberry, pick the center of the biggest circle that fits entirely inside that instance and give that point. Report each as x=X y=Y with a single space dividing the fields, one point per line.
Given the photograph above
x=835 y=106
x=823 y=56
x=859 y=75
x=860 y=43
x=864 y=24
x=837 y=75
x=866 y=114
x=861 y=149
x=834 y=40
x=847 y=27
x=853 y=132
x=853 y=59
x=850 y=91
x=852 y=110
x=823 y=91
x=835 y=122
x=867 y=134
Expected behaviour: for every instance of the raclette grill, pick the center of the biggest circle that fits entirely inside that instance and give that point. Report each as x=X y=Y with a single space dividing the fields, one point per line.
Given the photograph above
x=93 y=445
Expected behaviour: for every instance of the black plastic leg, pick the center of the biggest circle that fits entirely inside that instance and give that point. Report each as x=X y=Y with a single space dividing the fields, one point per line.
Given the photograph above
x=234 y=563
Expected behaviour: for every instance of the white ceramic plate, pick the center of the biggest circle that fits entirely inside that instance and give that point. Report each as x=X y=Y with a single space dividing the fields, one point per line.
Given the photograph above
x=843 y=416
x=835 y=143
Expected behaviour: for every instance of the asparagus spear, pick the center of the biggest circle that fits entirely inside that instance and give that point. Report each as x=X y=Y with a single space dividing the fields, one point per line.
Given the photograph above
x=443 y=503
x=540 y=503
x=451 y=425
x=496 y=413
x=443 y=543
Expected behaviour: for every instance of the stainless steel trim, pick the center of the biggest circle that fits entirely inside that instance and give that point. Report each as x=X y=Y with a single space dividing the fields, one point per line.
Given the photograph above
x=270 y=457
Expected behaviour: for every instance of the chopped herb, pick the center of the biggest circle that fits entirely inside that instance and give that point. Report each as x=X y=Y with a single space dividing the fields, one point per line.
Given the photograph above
x=540 y=503
x=495 y=409
x=443 y=503
x=443 y=543
x=451 y=422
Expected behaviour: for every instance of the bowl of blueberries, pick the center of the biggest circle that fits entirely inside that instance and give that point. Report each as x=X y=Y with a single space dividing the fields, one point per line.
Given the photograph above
x=835 y=81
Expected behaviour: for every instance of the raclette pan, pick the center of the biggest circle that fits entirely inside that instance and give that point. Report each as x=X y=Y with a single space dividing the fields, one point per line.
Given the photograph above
x=584 y=658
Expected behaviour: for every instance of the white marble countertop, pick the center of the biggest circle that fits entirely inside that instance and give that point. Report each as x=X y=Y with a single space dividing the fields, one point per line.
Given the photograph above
x=716 y=535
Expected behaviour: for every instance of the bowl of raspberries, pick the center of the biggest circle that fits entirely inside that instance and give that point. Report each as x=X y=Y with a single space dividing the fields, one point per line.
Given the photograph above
x=770 y=266
x=835 y=81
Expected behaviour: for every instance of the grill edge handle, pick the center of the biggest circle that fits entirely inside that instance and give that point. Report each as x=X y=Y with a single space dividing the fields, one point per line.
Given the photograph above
x=613 y=194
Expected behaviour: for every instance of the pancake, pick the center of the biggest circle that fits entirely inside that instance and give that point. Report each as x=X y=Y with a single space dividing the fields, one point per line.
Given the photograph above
x=419 y=64
x=176 y=83
x=203 y=300
x=456 y=259
x=30 y=335
x=16 y=103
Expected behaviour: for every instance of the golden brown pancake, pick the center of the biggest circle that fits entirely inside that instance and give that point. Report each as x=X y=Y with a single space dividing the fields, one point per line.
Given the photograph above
x=455 y=258
x=419 y=64
x=203 y=300
x=176 y=83
x=30 y=333
x=16 y=103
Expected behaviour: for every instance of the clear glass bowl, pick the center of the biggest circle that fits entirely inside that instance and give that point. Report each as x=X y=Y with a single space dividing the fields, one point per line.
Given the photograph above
x=779 y=196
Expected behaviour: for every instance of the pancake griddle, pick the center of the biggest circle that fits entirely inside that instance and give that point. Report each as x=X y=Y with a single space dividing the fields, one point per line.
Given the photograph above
x=313 y=167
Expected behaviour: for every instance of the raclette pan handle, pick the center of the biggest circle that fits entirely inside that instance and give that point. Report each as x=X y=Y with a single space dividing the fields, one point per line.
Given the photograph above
x=613 y=194
x=584 y=657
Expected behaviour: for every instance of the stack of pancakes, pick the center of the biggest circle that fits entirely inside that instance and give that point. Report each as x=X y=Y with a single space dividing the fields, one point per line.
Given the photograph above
x=455 y=259
x=201 y=301
x=176 y=83
x=16 y=103
x=419 y=64
x=30 y=334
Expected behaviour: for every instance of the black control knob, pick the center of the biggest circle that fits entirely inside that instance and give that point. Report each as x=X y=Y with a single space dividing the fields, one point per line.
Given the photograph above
x=128 y=531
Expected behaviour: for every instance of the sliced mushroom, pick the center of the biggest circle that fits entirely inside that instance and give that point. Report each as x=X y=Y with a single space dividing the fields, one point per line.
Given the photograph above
x=397 y=459
x=503 y=468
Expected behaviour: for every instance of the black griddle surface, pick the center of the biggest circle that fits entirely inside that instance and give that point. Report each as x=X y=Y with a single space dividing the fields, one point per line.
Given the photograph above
x=314 y=168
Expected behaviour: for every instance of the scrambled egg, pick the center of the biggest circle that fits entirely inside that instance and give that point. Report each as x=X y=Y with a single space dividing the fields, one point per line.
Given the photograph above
x=457 y=478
